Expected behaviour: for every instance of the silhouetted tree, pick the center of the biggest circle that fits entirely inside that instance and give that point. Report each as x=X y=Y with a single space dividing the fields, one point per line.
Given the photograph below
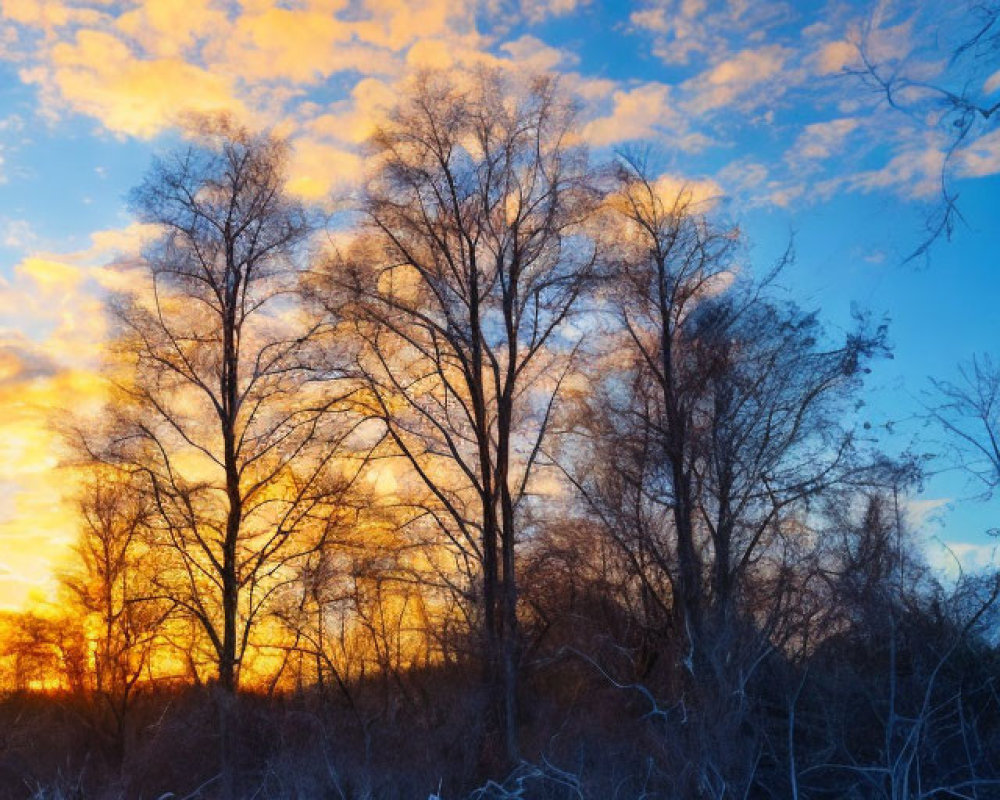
x=716 y=422
x=111 y=587
x=900 y=686
x=722 y=406
x=214 y=415
x=44 y=652
x=468 y=264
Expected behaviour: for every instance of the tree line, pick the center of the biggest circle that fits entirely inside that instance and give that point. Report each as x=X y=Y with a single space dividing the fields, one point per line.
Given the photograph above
x=514 y=472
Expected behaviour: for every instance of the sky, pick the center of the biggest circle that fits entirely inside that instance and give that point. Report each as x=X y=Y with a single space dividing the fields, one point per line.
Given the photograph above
x=755 y=103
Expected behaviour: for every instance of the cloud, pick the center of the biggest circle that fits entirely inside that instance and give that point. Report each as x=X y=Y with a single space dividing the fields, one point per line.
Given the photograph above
x=702 y=194
x=301 y=46
x=743 y=175
x=915 y=172
x=920 y=511
x=634 y=115
x=325 y=71
x=40 y=523
x=736 y=77
x=821 y=140
x=98 y=74
x=536 y=11
x=51 y=343
x=951 y=557
x=17 y=233
x=647 y=111
x=137 y=69
x=396 y=24
x=981 y=157
x=49 y=15
x=171 y=28
x=992 y=83
x=318 y=168
x=685 y=29
x=22 y=360
x=53 y=300
x=834 y=56
x=532 y=54
x=12 y=129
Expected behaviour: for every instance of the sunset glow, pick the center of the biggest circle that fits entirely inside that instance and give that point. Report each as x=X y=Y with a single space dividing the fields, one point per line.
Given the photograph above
x=349 y=344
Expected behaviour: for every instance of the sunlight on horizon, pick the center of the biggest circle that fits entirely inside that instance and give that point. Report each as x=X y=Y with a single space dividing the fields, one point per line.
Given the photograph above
x=746 y=106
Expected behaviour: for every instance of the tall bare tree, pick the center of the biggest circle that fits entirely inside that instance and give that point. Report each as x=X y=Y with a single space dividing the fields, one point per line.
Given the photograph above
x=215 y=416
x=715 y=422
x=721 y=407
x=461 y=284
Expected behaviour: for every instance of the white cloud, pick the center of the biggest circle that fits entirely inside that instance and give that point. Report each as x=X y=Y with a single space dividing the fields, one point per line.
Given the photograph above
x=647 y=111
x=950 y=558
x=536 y=11
x=17 y=233
x=533 y=54
x=821 y=140
x=734 y=80
x=981 y=157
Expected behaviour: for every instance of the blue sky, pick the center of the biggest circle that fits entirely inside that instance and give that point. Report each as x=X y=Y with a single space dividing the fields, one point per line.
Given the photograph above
x=750 y=102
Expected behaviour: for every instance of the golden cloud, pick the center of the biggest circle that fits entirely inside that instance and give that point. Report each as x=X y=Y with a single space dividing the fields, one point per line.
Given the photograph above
x=301 y=46
x=50 y=347
x=48 y=15
x=171 y=28
x=318 y=168
x=99 y=75
x=41 y=524
x=632 y=116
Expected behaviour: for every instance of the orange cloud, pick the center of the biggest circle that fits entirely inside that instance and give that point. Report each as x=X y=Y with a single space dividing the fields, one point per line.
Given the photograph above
x=50 y=347
x=318 y=168
x=48 y=14
x=395 y=24
x=171 y=28
x=702 y=194
x=98 y=74
x=301 y=46
x=40 y=523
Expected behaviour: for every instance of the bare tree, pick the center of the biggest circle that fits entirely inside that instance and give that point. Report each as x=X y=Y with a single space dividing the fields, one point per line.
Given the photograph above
x=715 y=424
x=215 y=416
x=968 y=412
x=43 y=652
x=902 y=682
x=723 y=404
x=461 y=284
x=110 y=584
